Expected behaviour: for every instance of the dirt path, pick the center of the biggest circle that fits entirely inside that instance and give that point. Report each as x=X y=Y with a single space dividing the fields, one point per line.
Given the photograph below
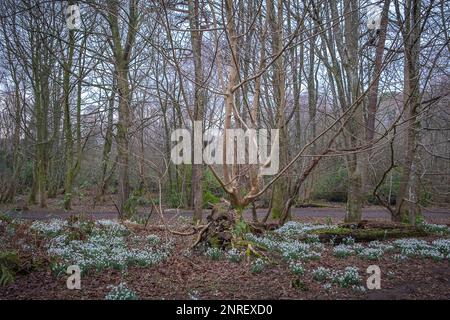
x=336 y=214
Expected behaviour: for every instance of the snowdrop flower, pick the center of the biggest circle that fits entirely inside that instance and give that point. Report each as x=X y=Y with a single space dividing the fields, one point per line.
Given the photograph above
x=121 y=292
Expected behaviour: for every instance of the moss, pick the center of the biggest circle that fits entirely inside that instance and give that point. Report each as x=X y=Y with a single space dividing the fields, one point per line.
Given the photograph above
x=276 y=213
x=368 y=234
x=337 y=231
x=390 y=233
x=9 y=266
x=214 y=241
x=312 y=205
x=240 y=228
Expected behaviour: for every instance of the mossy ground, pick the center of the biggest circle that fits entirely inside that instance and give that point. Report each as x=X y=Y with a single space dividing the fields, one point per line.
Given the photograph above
x=368 y=234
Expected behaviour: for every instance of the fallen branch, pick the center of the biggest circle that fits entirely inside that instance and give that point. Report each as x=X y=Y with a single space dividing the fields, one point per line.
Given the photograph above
x=199 y=237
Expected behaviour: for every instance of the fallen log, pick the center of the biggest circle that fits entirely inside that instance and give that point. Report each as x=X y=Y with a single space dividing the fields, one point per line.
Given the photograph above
x=369 y=234
x=366 y=224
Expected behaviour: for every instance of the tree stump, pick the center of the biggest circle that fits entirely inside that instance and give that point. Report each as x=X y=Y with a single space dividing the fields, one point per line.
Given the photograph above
x=219 y=230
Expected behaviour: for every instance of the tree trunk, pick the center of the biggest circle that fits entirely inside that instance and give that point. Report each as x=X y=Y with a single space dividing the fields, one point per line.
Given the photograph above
x=354 y=124
x=106 y=155
x=122 y=56
x=68 y=184
x=407 y=206
x=354 y=192
x=197 y=168
x=122 y=136
x=280 y=188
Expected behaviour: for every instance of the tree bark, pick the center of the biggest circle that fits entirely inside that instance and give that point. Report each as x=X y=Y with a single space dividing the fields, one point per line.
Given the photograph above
x=280 y=188
x=68 y=184
x=407 y=206
x=196 y=43
x=122 y=56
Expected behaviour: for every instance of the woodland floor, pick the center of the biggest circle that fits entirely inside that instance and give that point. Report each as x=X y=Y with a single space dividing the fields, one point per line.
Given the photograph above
x=195 y=276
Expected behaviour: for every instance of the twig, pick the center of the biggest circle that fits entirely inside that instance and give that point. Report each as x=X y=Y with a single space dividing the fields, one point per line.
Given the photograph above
x=199 y=237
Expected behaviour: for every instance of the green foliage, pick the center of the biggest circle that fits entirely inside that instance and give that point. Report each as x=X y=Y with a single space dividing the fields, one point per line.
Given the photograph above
x=153 y=239
x=342 y=251
x=79 y=228
x=210 y=183
x=113 y=188
x=99 y=246
x=430 y=228
x=234 y=255
x=130 y=206
x=371 y=253
x=405 y=217
x=331 y=186
x=9 y=266
x=212 y=190
x=57 y=268
x=312 y=238
x=350 y=277
x=209 y=199
x=297 y=268
x=214 y=253
x=321 y=274
x=174 y=199
x=5 y=218
x=419 y=219
x=26 y=174
x=299 y=285
x=240 y=228
x=425 y=198
x=391 y=186
x=121 y=292
x=276 y=213
x=257 y=265
x=132 y=203
x=348 y=241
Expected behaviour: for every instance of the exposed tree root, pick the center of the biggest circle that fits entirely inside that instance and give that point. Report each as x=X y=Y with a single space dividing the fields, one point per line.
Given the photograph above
x=220 y=232
x=200 y=236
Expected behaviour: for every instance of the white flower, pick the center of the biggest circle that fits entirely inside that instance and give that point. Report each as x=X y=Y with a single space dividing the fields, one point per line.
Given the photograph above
x=234 y=255
x=443 y=245
x=342 y=251
x=49 y=228
x=439 y=229
x=213 y=253
x=106 y=248
x=370 y=253
x=348 y=277
x=257 y=265
x=293 y=228
x=321 y=274
x=296 y=267
x=121 y=292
